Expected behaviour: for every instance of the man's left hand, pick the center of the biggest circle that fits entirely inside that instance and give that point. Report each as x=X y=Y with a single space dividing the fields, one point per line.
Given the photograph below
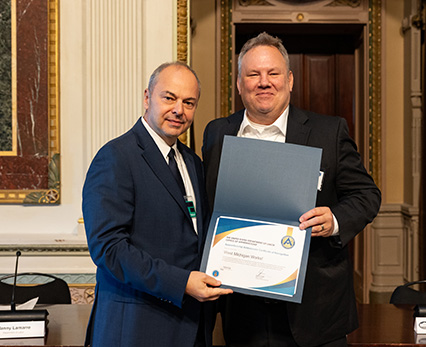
x=321 y=221
x=204 y=287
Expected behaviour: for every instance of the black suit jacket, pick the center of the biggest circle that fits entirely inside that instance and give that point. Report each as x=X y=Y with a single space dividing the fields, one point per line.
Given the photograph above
x=328 y=308
x=142 y=239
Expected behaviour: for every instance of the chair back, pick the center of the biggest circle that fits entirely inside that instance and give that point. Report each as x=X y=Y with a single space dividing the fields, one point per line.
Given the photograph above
x=406 y=295
x=56 y=291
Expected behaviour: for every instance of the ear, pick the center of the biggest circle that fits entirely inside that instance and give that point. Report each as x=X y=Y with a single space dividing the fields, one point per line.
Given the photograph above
x=290 y=80
x=146 y=98
x=238 y=85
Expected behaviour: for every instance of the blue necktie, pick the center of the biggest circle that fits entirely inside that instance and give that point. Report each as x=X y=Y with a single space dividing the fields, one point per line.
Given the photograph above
x=175 y=170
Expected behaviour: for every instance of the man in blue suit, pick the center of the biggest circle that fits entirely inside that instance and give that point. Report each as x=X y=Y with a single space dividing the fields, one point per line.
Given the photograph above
x=145 y=214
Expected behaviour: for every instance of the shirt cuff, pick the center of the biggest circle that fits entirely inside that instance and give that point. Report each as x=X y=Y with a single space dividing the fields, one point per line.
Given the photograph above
x=336 y=227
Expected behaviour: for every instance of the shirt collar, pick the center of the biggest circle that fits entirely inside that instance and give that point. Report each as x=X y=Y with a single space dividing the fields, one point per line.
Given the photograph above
x=280 y=124
x=161 y=144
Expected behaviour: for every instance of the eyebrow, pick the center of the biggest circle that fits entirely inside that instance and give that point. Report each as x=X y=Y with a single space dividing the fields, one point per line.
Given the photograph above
x=175 y=96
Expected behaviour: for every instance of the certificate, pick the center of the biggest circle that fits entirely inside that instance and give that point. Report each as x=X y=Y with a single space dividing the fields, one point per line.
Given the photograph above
x=253 y=243
x=259 y=256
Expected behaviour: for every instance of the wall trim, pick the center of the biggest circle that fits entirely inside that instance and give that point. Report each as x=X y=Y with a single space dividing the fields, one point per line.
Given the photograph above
x=394 y=250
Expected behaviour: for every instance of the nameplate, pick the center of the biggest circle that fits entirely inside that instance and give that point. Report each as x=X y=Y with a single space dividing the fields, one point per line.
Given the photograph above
x=9 y=330
x=420 y=325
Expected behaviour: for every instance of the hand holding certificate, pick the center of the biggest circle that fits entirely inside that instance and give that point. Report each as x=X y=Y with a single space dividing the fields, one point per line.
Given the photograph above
x=254 y=245
x=265 y=257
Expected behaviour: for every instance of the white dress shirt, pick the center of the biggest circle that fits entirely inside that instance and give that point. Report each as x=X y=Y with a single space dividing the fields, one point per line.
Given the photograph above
x=165 y=149
x=273 y=132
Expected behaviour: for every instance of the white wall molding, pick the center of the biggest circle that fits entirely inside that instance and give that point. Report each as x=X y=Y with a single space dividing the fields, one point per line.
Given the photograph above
x=394 y=248
x=123 y=45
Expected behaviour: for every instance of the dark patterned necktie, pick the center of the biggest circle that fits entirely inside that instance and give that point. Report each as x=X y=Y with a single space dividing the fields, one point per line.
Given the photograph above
x=175 y=170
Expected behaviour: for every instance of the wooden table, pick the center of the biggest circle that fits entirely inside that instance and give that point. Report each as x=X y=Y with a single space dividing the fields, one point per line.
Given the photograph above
x=380 y=325
x=385 y=325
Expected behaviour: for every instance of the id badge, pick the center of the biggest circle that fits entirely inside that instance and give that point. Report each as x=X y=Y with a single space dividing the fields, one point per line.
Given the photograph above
x=190 y=206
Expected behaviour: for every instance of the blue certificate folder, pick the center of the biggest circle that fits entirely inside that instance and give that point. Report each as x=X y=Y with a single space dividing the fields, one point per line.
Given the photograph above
x=266 y=182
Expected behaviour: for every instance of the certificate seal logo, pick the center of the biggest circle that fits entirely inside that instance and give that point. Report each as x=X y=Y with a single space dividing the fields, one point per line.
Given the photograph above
x=288 y=242
x=215 y=273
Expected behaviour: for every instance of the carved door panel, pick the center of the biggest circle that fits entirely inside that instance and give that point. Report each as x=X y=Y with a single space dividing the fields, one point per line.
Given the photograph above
x=324 y=83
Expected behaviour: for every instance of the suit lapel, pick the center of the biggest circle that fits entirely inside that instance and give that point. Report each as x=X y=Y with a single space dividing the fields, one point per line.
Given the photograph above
x=234 y=123
x=158 y=165
x=297 y=131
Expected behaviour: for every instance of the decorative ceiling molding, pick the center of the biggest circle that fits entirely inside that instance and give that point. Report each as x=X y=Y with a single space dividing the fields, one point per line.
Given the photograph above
x=254 y=3
x=333 y=3
x=350 y=3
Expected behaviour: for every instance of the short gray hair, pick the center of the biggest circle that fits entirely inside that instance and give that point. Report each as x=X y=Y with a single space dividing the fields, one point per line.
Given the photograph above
x=154 y=76
x=263 y=39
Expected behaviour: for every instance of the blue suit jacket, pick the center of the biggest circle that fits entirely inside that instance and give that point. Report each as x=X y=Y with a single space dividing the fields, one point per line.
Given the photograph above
x=328 y=308
x=142 y=239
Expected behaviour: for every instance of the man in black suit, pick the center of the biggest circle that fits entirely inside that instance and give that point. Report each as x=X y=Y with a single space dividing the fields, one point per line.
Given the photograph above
x=347 y=202
x=146 y=231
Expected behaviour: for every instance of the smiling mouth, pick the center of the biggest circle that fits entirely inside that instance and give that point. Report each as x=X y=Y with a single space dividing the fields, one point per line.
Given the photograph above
x=175 y=120
x=175 y=123
x=264 y=94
